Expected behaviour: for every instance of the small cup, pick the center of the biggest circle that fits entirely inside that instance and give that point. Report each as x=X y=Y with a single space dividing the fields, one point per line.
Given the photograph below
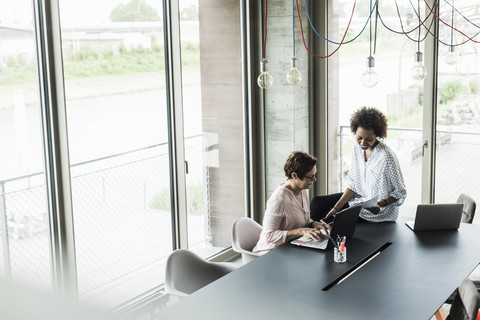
x=339 y=256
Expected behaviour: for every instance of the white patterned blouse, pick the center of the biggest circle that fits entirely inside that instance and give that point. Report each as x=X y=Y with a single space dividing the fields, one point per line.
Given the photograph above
x=379 y=176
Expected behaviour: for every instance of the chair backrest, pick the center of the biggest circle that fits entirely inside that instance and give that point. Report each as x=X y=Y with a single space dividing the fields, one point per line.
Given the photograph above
x=186 y=272
x=245 y=234
x=469 y=207
x=467 y=302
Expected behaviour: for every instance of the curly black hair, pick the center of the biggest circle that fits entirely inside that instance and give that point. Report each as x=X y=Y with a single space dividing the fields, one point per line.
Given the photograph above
x=299 y=162
x=370 y=119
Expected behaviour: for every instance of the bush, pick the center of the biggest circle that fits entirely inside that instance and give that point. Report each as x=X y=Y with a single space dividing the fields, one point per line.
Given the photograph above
x=474 y=87
x=450 y=90
x=161 y=200
x=128 y=61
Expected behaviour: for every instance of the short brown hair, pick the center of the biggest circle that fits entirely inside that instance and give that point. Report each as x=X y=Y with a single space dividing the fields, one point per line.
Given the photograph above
x=370 y=119
x=299 y=162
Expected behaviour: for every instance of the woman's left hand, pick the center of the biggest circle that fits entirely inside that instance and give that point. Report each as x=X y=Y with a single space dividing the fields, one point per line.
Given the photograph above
x=375 y=209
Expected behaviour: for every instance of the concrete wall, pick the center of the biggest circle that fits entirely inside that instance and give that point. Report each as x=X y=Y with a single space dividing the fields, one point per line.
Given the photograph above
x=286 y=110
x=221 y=70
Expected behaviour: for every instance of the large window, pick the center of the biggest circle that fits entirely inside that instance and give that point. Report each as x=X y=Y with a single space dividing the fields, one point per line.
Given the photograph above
x=25 y=249
x=402 y=98
x=396 y=93
x=118 y=140
x=458 y=113
x=125 y=139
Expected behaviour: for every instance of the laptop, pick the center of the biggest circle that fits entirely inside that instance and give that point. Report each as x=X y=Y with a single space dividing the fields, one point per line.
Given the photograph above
x=365 y=204
x=445 y=216
x=343 y=225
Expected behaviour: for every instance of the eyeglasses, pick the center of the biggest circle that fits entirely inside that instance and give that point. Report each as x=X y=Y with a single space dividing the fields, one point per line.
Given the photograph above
x=311 y=178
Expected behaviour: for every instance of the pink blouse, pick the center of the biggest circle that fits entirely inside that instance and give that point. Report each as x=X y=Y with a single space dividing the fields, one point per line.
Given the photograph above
x=283 y=213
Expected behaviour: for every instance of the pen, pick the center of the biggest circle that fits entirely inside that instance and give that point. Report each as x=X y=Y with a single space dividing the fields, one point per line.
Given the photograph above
x=334 y=244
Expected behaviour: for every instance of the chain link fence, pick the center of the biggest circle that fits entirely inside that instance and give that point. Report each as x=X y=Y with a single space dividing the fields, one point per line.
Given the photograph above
x=122 y=217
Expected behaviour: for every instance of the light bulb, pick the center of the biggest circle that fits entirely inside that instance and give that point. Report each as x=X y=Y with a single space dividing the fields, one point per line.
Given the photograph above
x=294 y=76
x=370 y=77
x=451 y=56
x=418 y=70
x=264 y=80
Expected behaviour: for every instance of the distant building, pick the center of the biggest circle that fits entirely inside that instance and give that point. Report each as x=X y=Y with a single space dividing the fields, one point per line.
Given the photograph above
x=16 y=40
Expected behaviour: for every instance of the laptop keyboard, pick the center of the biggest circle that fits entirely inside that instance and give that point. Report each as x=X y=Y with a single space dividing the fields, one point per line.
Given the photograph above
x=321 y=244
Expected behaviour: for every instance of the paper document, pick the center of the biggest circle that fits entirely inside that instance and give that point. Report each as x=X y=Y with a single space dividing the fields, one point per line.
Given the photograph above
x=369 y=203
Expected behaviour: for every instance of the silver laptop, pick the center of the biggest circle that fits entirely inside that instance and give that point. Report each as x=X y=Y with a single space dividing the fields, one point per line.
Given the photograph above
x=445 y=216
x=343 y=225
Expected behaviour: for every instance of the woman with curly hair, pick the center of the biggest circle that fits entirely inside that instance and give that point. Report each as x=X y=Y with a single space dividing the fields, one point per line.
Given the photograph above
x=374 y=172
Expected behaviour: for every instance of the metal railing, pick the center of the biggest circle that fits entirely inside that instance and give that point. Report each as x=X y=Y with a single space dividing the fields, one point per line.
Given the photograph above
x=122 y=216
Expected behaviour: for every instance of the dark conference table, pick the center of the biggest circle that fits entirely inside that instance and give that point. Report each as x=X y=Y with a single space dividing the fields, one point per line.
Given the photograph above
x=410 y=279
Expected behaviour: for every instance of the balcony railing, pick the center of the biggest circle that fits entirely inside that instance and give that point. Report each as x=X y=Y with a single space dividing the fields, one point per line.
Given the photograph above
x=119 y=201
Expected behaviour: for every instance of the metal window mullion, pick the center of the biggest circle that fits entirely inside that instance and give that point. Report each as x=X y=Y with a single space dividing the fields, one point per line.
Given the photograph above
x=430 y=111
x=173 y=67
x=246 y=102
x=256 y=111
x=55 y=141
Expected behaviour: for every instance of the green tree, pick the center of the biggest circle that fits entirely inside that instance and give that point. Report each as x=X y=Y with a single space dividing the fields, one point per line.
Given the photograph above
x=135 y=10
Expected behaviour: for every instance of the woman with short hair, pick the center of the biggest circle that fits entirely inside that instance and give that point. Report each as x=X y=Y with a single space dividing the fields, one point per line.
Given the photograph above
x=287 y=215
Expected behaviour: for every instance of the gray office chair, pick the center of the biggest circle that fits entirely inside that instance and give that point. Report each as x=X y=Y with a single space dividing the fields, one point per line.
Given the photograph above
x=245 y=235
x=468 y=214
x=186 y=272
x=466 y=304
x=469 y=207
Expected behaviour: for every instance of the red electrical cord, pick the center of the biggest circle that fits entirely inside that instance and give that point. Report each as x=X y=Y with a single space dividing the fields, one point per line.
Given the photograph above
x=265 y=30
x=439 y=19
x=341 y=42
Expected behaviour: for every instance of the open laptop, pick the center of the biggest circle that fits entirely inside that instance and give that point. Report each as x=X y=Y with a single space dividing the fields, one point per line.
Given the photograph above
x=365 y=204
x=343 y=225
x=445 y=216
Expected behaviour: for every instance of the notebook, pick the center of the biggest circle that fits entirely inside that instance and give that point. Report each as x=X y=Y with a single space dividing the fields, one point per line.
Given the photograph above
x=343 y=225
x=445 y=216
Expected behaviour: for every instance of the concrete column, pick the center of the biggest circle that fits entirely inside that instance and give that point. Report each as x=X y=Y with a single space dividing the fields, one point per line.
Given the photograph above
x=286 y=118
x=221 y=87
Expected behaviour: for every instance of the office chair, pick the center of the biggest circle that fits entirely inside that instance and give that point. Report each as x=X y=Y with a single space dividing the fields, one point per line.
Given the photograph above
x=467 y=217
x=321 y=205
x=186 y=272
x=469 y=207
x=245 y=235
x=466 y=304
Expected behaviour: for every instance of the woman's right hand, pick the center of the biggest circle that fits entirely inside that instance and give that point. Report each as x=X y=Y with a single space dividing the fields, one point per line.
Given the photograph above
x=331 y=213
x=313 y=233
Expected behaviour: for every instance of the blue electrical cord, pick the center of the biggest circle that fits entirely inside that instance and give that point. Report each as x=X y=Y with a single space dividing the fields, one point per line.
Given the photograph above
x=349 y=41
x=473 y=24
